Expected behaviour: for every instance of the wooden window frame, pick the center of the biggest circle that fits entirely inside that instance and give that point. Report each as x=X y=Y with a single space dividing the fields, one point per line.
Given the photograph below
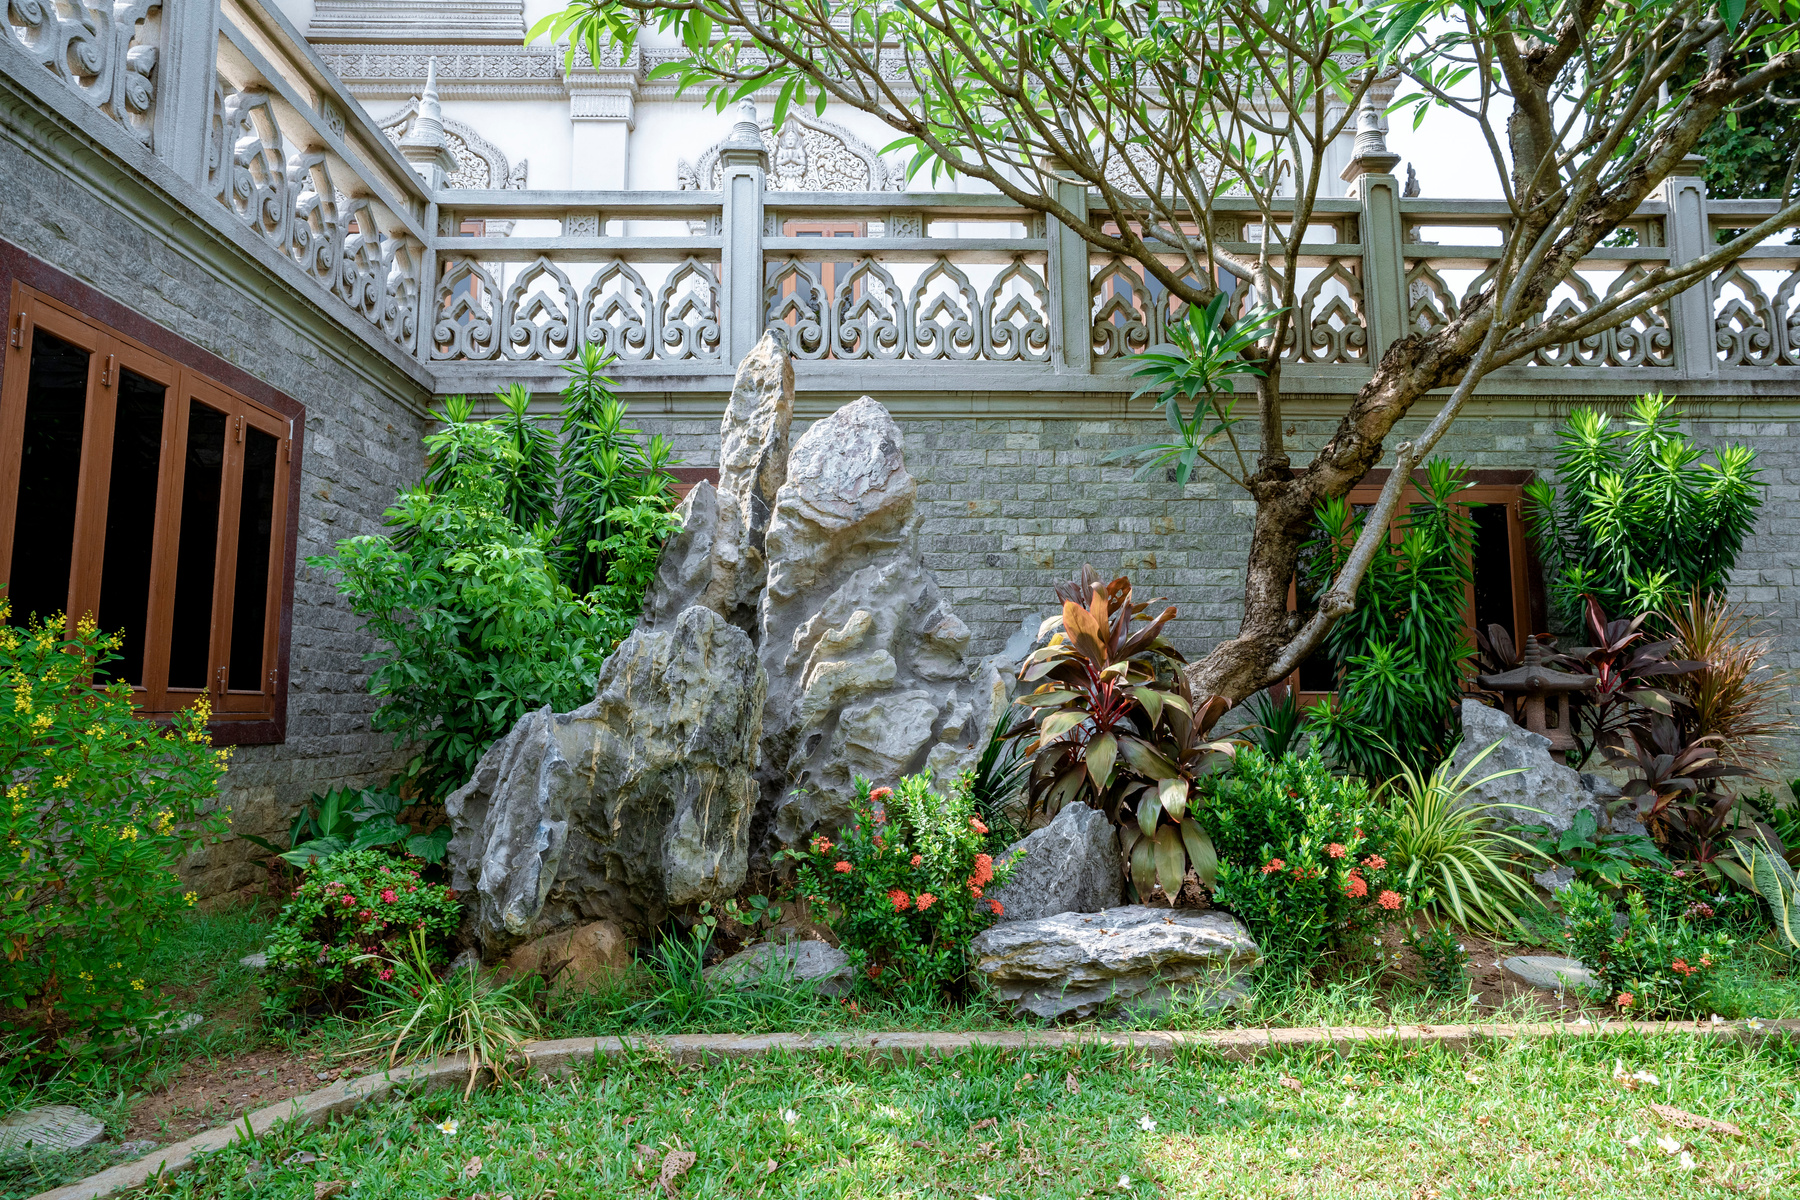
x=34 y=294
x=1486 y=486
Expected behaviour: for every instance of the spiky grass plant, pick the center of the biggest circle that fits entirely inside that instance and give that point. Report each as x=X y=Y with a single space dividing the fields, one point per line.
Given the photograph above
x=1454 y=859
x=1738 y=695
x=420 y=1016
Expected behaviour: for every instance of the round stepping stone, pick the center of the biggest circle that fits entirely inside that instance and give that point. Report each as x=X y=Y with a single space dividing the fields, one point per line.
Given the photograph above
x=1549 y=972
x=53 y=1127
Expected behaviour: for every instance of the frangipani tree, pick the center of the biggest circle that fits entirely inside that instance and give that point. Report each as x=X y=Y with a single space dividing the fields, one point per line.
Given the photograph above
x=1164 y=107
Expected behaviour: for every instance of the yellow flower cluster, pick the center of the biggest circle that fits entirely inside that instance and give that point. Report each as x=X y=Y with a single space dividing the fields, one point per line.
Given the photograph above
x=165 y=821
x=192 y=898
x=138 y=984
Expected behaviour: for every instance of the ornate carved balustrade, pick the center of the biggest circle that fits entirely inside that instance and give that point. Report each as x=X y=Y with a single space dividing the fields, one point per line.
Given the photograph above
x=395 y=234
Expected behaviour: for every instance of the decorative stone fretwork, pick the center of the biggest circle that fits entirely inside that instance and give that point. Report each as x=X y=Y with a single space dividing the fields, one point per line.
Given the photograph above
x=480 y=164
x=542 y=316
x=808 y=156
x=1751 y=329
x=344 y=242
x=943 y=315
x=105 y=53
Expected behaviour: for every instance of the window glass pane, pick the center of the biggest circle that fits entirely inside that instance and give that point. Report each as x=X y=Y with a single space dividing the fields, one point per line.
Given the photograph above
x=1493 y=569
x=49 y=474
x=191 y=637
x=131 y=521
x=250 y=596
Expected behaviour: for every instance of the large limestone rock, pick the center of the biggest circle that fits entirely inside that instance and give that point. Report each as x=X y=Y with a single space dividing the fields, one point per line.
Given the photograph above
x=867 y=663
x=574 y=955
x=717 y=560
x=630 y=806
x=1076 y=964
x=1070 y=865
x=1543 y=782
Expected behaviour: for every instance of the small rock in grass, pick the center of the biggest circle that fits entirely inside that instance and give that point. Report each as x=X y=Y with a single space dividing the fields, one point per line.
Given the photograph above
x=1549 y=972
x=824 y=965
x=52 y=1127
x=135 y=1149
x=256 y=962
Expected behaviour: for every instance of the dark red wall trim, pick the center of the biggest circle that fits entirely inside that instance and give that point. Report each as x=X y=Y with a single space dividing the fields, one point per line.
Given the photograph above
x=18 y=265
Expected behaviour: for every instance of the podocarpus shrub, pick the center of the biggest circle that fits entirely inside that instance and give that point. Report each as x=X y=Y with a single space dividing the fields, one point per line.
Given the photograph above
x=1650 y=967
x=904 y=885
x=1303 y=859
x=100 y=804
x=349 y=921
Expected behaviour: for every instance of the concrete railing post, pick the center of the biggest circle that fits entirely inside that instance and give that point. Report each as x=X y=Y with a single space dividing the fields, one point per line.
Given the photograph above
x=1689 y=236
x=187 y=66
x=743 y=164
x=1371 y=178
x=1071 y=335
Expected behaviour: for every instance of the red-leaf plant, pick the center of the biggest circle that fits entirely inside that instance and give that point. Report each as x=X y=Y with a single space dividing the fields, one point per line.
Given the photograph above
x=1672 y=782
x=1625 y=665
x=1114 y=725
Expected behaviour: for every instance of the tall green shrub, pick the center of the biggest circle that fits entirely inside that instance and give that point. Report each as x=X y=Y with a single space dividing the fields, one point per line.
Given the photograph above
x=100 y=804
x=483 y=607
x=1400 y=656
x=1640 y=519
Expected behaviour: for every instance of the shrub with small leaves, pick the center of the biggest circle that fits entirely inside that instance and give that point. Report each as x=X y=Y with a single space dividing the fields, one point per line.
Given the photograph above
x=1650 y=967
x=1443 y=962
x=99 y=806
x=1303 y=859
x=904 y=885
x=349 y=921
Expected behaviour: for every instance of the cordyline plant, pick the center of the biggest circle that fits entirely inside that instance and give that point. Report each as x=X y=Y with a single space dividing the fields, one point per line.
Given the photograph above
x=1631 y=673
x=1116 y=727
x=1131 y=124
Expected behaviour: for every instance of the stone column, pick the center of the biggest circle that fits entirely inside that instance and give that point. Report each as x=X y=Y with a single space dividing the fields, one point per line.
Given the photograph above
x=185 y=72
x=1689 y=237
x=602 y=116
x=1370 y=175
x=743 y=165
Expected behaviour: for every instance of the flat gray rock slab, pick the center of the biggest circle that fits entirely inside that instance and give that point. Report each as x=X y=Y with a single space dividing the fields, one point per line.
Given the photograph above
x=806 y=961
x=1076 y=964
x=256 y=962
x=53 y=1127
x=1549 y=972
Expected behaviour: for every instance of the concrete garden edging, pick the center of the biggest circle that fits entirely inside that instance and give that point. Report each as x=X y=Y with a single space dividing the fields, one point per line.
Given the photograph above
x=1236 y=1045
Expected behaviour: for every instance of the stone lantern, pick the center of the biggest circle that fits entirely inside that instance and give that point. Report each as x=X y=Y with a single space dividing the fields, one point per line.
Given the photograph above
x=1528 y=689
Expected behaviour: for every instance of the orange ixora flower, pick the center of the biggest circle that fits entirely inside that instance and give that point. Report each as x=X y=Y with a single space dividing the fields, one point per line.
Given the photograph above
x=1389 y=900
x=881 y=793
x=1375 y=862
x=976 y=825
x=842 y=868
x=1357 y=887
x=1626 y=1000
x=821 y=845
x=1336 y=850
x=996 y=906
x=1272 y=866
x=899 y=899
x=916 y=860
x=984 y=872
x=926 y=900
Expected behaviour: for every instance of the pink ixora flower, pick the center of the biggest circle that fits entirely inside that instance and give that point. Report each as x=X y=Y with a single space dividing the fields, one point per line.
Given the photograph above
x=1336 y=850
x=842 y=868
x=1272 y=866
x=916 y=860
x=1389 y=900
x=881 y=793
x=387 y=974
x=996 y=906
x=364 y=914
x=1375 y=862
x=926 y=900
x=349 y=901
x=388 y=896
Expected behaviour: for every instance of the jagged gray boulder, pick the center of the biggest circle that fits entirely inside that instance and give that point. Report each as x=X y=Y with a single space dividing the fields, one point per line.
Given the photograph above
x=1070 y=865
x=868 y=666
x=1543 y=783
x=796 y=961
x=626 y=808
x=1076 y=964
x=717 y=559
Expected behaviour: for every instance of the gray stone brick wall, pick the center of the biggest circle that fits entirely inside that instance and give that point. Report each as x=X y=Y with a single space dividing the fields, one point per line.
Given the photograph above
x=362 y=443
x=1015 y=505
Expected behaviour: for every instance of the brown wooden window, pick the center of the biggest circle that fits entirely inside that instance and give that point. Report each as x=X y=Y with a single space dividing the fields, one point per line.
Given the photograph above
x=141 y=490
x=1507 y=589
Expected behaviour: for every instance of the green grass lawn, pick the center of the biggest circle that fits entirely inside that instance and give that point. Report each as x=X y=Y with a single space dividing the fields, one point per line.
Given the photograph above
x=1538 y=1119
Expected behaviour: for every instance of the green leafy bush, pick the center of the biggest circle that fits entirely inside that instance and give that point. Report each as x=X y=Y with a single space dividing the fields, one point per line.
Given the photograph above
x=354 y=819
x=1443 y=962
x=472 y=606
x=903 y=885
x=1400 y=656
x=1303 y=859
x=1603 y=859
x=1652 y=966
x=1641 y=520
x=348 y=922
x=100 y=804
